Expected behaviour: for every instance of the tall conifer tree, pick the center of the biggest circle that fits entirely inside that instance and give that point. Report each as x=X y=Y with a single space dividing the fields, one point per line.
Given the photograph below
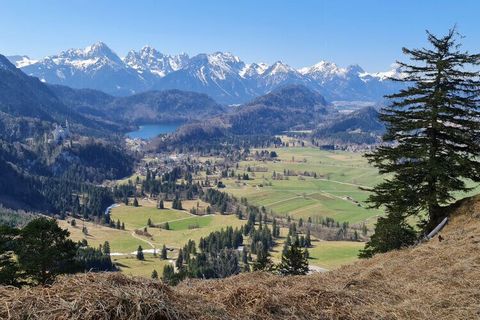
x=433 y=132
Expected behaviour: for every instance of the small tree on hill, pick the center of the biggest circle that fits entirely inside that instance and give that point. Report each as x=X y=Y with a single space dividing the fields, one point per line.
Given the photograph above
x=226 y=263
x=169 y=274
x=263 y=261
x=294 y=260
x=274 y=228
x=164 y=253
x=246 y=266
x=161 y=205
x=179 y=261
x=140 y=255
x=135 y=202
x=308 y=239
x=106 y=248
x=177 y=204
x=154 y=274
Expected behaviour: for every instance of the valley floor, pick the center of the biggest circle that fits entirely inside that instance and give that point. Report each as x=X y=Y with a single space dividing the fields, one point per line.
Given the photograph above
x=301 y=182
x=124 y=243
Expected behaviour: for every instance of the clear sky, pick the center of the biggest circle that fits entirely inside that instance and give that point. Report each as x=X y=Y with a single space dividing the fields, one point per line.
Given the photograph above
x=300 y=33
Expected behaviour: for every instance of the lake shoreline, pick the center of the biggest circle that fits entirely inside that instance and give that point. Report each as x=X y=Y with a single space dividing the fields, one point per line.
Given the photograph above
x=150 y=131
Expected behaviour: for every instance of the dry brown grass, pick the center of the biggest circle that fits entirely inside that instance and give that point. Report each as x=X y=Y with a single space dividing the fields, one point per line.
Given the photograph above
x=435 y=280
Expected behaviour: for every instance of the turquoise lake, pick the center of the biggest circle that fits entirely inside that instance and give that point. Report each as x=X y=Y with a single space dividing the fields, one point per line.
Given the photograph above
x=149 y=131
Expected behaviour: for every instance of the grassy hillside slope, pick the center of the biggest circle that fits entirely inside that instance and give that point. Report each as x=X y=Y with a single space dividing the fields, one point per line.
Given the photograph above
x=434 y=280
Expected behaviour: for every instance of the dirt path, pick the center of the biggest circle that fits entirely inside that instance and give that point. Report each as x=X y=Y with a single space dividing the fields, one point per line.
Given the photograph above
x=301 y=196
x=326 y=194
x=345 y=183
x=144 y=240
x=283 y=200
x=191 y=215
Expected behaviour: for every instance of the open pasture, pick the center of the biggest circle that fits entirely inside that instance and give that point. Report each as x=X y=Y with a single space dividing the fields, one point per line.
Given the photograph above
x=124 y=243
x=310 y=183
x=324 y=254
x=120 y=240
x=183 y=225
x=132 y=266
x=327 y=254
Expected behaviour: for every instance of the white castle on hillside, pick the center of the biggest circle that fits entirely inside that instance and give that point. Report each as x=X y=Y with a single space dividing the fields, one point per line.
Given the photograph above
x=60 y=134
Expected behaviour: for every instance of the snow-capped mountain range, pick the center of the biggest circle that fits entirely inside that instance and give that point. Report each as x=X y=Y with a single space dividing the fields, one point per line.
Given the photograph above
x=222 y=75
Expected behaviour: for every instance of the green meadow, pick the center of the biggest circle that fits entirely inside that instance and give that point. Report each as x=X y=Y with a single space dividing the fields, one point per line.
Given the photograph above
x=338 y=191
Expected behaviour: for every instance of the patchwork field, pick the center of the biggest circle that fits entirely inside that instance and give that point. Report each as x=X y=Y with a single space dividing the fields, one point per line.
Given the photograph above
x=183 y=226
x=336 y=191
x=124 y=243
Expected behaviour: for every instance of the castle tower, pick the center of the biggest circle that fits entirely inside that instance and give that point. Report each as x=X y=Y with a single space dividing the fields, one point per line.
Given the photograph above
x=67 y=128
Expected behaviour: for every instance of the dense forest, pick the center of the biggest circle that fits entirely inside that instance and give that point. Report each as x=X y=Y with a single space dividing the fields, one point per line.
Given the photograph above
x=36 y=179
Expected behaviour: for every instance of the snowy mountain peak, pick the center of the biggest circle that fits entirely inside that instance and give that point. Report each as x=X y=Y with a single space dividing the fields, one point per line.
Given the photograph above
x=146 y=49
x=323 y=69
x=355 y=69
x=394 y=73
x=21 y=61
x=225 y=61
x=98 y=49
x=280 y=67
x=149 y=59
x=253 y=69
x=280 y=74
x=97 y=55
x=215 y=66
x=224 y=56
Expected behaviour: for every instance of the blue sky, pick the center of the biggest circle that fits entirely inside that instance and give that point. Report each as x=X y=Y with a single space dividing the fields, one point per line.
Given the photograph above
x=368 y=32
